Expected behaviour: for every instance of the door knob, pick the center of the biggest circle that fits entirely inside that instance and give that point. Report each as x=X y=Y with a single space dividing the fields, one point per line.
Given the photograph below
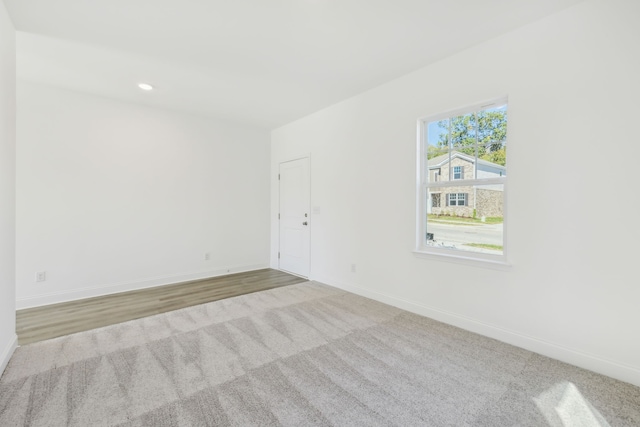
x=304 y=223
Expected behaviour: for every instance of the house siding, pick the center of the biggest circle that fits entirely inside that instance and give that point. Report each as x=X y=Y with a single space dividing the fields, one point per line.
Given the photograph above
x=467 y=168
x=486 y=200
x=489 y=202
x=445 y=209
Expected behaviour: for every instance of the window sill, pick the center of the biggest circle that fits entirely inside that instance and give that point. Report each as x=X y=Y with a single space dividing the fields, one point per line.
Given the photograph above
x=496 y=263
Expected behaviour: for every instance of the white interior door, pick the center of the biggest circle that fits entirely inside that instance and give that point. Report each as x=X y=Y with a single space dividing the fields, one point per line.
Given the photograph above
x=294 y=217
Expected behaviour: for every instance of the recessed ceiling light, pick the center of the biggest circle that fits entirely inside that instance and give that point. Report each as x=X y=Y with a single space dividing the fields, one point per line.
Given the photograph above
x=145 y=86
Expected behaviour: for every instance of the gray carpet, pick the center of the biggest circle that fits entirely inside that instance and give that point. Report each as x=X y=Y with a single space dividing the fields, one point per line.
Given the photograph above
x=301 y=355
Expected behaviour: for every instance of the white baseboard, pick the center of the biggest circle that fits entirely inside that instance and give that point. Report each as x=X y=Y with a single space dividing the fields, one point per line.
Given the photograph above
x=95 y=291
x=613 y=369
x=7 y=352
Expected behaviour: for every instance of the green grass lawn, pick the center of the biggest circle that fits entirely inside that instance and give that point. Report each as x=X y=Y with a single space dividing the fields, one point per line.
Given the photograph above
x=485 y=246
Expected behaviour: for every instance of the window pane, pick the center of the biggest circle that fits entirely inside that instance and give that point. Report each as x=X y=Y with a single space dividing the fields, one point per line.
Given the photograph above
x=492 y=137
x=463 y=131
x=437 y=135
x=454 y=143
x=437 y=138
x=471 y=221
x=463 y=141
x=495 y=154
x=463 y=146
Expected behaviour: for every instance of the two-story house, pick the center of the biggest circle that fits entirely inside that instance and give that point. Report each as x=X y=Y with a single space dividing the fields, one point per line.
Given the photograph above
x=486 y=200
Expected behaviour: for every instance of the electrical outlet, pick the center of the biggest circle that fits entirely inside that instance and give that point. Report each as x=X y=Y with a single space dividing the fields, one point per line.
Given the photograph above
x=207 y=256
x=353 y=268
x=41 y=276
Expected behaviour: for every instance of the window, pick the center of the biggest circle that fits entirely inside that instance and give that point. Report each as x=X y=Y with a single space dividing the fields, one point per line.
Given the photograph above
x=457 y=199
x=457 y=172
x=435 y=200
x=462 y=181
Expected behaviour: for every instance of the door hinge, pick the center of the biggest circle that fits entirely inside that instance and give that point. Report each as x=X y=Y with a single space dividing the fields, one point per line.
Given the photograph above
x=278 y=177
x=278 y=255
x=278 y=216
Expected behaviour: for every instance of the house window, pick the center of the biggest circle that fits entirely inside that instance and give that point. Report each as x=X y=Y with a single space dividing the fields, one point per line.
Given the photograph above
x=457 y=172
x=435 y=200
x=457 y=199
x=469 y=148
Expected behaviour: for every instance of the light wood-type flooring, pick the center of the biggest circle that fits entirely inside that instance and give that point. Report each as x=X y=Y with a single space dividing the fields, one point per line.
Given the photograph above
x=41 y=323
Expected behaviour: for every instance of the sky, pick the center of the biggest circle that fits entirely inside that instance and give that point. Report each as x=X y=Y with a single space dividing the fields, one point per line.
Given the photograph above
x=434 y=131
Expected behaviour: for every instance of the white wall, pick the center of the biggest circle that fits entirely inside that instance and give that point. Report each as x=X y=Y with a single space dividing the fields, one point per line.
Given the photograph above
x=572 y=292
x=114 y=196
x=8 y=339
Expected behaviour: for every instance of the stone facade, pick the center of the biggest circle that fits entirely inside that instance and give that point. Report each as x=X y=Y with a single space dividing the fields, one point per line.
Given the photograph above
x=487 y=200
x=445 y=209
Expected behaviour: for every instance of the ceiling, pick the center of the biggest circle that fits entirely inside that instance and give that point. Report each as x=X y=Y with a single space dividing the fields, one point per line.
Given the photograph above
x=263 y=63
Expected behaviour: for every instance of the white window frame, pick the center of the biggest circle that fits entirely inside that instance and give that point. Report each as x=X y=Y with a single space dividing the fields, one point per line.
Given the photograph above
x=458 y=256
x=457 y=199
x=457 y=170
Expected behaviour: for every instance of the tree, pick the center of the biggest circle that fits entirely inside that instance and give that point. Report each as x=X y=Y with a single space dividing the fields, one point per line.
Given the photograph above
x=490 y=127
x=433 y=151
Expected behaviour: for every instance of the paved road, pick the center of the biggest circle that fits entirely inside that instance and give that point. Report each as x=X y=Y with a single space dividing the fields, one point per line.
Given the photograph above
x=460 y=234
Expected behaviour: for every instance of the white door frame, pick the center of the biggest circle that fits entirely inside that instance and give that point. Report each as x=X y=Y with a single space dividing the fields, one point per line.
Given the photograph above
x=304 y=268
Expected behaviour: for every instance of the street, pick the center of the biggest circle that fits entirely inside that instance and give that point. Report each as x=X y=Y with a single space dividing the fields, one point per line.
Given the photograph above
x=457 y=234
